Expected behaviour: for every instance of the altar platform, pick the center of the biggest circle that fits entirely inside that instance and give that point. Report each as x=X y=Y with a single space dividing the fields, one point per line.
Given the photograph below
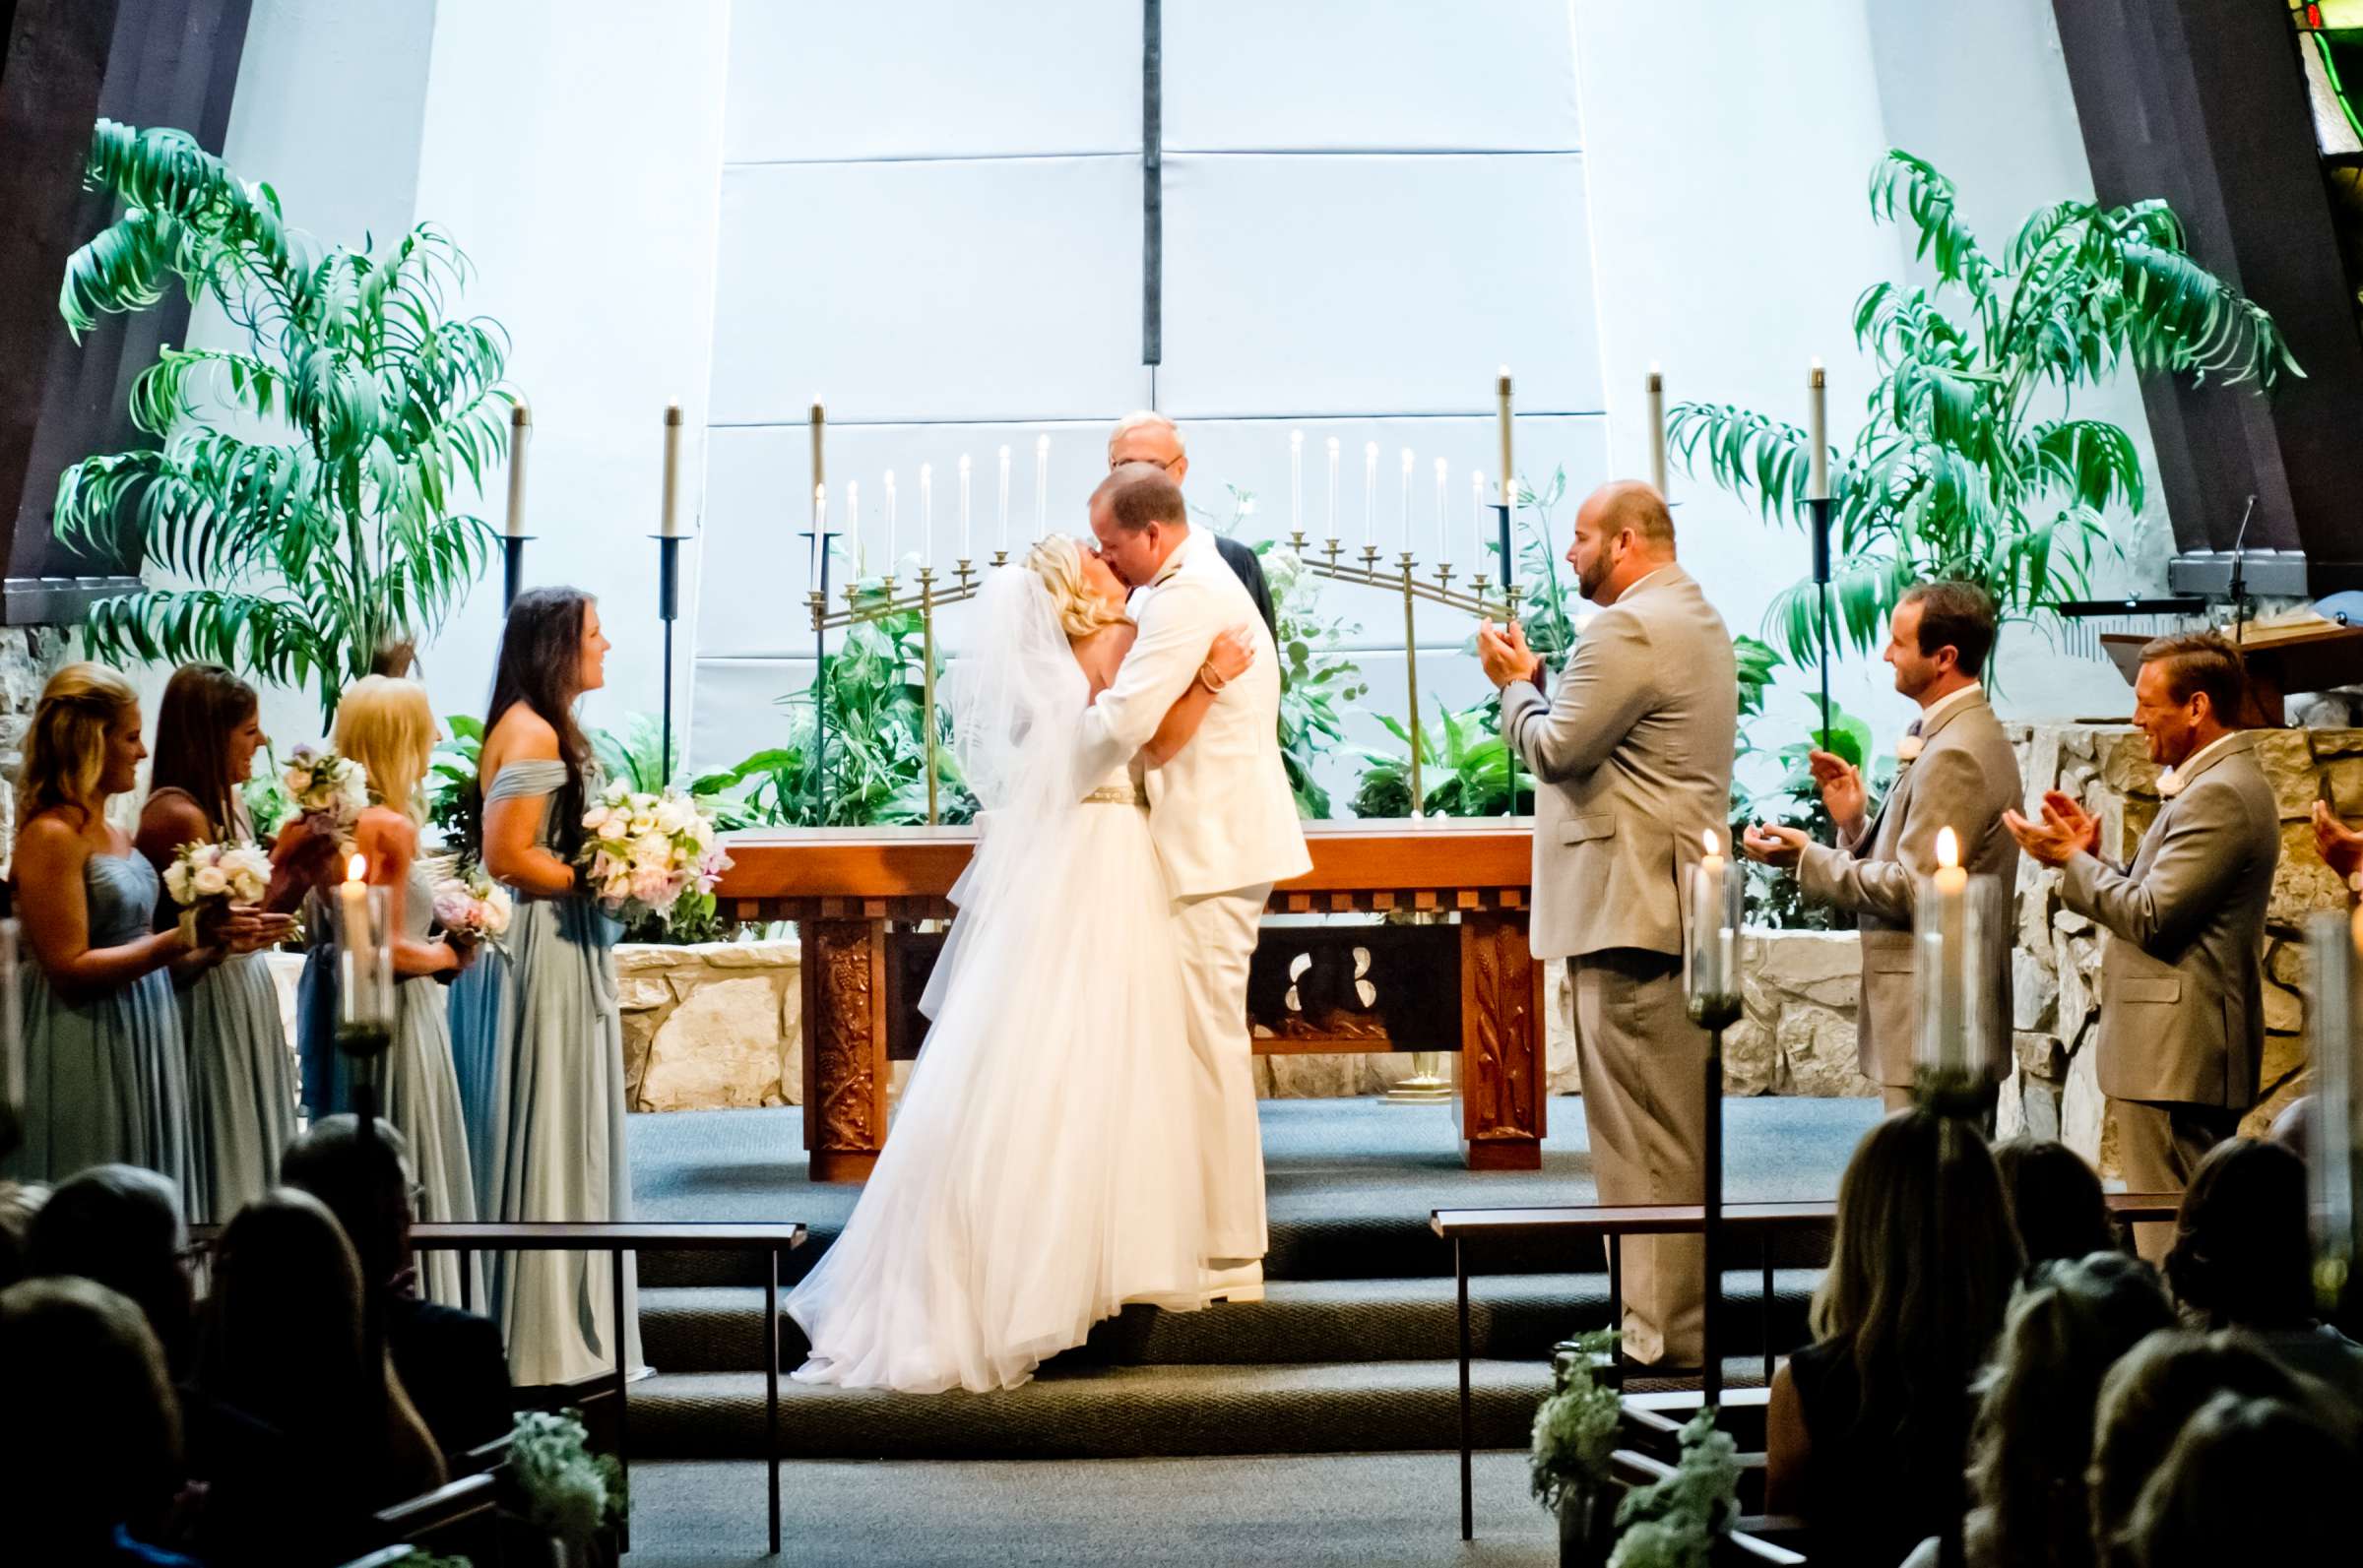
x=1352 y=1352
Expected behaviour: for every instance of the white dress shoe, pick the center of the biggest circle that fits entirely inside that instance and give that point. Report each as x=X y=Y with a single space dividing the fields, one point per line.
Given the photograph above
x=1232 y=1280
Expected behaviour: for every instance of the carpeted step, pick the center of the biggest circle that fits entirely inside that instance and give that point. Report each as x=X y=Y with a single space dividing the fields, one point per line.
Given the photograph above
x=1513 y=1317
x=1366 y=1406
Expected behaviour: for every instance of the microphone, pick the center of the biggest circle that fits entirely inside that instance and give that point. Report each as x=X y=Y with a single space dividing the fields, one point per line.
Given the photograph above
x=2239 y=583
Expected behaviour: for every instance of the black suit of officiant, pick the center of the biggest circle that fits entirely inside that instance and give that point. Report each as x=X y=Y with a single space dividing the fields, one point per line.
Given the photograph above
x=1248 y=569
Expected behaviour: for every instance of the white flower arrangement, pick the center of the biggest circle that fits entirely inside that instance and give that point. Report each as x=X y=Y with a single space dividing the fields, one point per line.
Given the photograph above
x=651 y=854
x=1907 y=749
x=469 y=905
x=224 y=875
x=567 y=1490
x=324 y=786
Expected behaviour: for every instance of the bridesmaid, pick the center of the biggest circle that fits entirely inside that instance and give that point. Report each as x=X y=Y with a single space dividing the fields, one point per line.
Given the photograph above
x=387 y=727
x=105 y=1075
x=555 y=1099
x=241 y=1079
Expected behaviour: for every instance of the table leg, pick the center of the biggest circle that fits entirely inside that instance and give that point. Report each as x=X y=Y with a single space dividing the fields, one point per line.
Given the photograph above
x=623 y=1379
x=1502 y=1106
x=846 y=1072
x=1460 y=1281
x=771 y=1388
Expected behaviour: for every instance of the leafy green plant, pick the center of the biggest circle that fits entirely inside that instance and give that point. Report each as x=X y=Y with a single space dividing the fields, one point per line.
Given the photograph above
x=1545 y=607
x=1954 y=474
x=1674 y=1522
x=1319 y=685
x=455 y=799
x=335 y=531
x=1464 y=768
x=567 y=1490
x=1575 y=1426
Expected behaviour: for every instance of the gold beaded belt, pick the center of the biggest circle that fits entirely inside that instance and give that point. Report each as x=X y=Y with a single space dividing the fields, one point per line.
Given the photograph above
x=1118 y=795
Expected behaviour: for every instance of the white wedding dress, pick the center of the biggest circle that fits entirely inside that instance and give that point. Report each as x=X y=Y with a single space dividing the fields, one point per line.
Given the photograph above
x=1043 y=1168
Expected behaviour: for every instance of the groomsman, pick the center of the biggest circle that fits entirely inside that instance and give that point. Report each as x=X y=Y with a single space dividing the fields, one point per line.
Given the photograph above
x=1631 y=759
x=1957 y=771
x=2182 y=1011
x=1150 y=437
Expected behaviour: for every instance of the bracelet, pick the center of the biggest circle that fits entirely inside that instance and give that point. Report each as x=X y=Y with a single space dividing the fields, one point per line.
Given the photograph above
x=1207 y=679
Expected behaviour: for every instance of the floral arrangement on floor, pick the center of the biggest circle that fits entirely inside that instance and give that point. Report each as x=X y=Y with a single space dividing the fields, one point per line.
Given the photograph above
x=330 y=791
x=650 y=857
x=205 y=877
x=566 y=1489
x=1575 y=1426
x=1674 y=1522
x=471 y=906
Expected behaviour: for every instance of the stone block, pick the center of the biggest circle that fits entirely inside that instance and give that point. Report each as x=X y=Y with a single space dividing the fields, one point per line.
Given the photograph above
x=2122 y=761
x=2040 y=1056
x=1818 y=1054
x=1825 y=967
x=2284 y=1009
x=2285 y=963
x=2331 y=742
x=746 y=955
x=722 y=1046
x=2083 y=1110
x=2286 y=1056
x=2302 y=884
x=639 y=992
x=2034 y=991
x=2258 y=1123
x=1752 y=1056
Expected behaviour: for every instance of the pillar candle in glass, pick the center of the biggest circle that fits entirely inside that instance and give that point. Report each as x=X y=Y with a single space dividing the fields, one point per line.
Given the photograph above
x=1958 y=926
x=2335 y=1112
x=1711 y=947
x=12 y=1026
x=365 y=964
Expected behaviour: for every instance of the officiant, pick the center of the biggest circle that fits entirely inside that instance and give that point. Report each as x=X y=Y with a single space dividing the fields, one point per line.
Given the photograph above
x=1150 y=437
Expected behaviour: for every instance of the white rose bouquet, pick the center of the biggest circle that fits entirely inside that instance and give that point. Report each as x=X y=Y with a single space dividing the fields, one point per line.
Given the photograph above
x=328 y=787
x=204 y=878
x=471 y=907
x=651 y=855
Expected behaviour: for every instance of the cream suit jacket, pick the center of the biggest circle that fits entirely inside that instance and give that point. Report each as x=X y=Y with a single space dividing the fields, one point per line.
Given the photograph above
x=1221 y=813
x=1631 y=759
x=2181 y=1006
x=1964 y=779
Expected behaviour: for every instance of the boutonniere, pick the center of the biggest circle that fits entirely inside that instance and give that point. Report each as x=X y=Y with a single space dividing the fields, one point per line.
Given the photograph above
x=2170 y=784
x=1908 y=748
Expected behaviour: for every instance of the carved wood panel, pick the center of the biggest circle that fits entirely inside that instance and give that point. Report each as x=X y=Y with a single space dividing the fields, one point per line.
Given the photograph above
x=1501 y=1072
x=845 y=1046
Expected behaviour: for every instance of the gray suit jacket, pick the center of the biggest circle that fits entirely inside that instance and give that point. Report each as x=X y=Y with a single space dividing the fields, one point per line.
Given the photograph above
x=1631 y=759
x=2181 y=1006
x=1964 y=777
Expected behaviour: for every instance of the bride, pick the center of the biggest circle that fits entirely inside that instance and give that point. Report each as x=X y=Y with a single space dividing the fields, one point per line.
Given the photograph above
x=1043 y=1170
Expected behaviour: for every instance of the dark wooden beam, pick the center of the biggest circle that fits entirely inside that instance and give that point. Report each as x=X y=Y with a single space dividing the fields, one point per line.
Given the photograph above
x=2203 y=104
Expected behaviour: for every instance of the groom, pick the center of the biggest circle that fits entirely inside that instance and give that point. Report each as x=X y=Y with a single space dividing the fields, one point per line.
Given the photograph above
x=1220 y=814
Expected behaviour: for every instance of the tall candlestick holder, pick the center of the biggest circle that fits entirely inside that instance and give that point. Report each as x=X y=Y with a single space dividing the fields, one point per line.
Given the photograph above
x=2334 y=1110
x=1817 y=511
x=512 y=568
x=1405 y=578
x=1713 y=998
x=669 y=610
x=868 y=603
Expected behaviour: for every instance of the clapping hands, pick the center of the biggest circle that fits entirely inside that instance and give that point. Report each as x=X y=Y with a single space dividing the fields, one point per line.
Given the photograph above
x=2065 y=831
x=1504 y=653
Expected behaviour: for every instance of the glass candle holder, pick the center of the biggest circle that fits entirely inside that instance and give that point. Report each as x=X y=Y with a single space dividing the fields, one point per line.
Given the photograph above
x=12 y=1038
x=2335 y=1115
x=1959 y=936
x=1714 y=899
x=364 y=965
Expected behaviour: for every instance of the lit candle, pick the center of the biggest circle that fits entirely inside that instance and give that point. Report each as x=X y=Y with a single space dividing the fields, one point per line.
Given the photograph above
x=926 y=507
x=964 y=466
x=1042 y=486
x=1817 y=432
x=1408 y=462
x=852 y=524
x=890 y=530
x=1476 y=519
x=1001 y=538
x=1369 y=492
x=1657 y=430
x=1951 y=885
x=1333 y=488
x=1502 y=402
x=521 y=428
x=820 y=529
x=670 y=527
x=12 y=1023
x=1710 y=935
x=1443 y=545
x=1296 y=482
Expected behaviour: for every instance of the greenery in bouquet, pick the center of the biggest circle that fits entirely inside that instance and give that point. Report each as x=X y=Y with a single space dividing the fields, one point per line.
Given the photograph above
x=471 y=905
x=268 y=805
x=1674 y=1522
x=330 y=791
x=1575 y=1426
x=650 y=856
x=566 y=1489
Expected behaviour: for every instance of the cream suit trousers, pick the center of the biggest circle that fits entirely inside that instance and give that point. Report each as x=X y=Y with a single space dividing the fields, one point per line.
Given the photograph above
x=1214 y=937
x=1644 y=1110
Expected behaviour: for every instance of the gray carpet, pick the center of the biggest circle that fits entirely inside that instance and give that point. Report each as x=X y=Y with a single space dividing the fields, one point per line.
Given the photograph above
x=1312 y=1511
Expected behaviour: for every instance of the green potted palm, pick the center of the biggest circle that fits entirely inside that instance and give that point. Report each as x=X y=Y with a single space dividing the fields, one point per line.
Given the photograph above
x=306 y=487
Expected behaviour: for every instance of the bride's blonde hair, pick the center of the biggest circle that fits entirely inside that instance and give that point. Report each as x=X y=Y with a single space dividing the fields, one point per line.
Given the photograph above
x=1058 y=562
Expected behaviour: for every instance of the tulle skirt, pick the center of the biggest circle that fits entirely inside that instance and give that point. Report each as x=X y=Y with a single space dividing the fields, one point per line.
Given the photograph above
x=1042 y=1168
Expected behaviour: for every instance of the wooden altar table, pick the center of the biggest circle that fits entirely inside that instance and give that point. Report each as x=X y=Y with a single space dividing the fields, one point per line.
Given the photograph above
x=859 y=894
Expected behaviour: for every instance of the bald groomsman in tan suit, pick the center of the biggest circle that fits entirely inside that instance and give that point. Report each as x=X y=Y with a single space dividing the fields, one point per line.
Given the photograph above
x=1955 y=770
x=1631 y=757
x=2182 y=999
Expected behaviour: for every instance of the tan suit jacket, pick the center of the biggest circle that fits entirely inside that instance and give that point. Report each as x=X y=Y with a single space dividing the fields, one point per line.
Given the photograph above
x=2181 y=1006
x=1631 y=757
x=1964 y=777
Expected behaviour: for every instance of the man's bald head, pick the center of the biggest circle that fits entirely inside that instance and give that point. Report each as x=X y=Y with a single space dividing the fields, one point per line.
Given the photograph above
x=1623 y=532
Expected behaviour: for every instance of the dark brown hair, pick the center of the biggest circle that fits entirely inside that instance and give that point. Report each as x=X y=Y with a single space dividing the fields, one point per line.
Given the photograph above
x=93 y=1435
x=202 y=705
x=540 y=665
x=1139 y=494
x=2056 y=1200
x=2203 y=661
x=2242 y=1257
x=1958 y=616
x=2250 y=1480
x=1919 y=1271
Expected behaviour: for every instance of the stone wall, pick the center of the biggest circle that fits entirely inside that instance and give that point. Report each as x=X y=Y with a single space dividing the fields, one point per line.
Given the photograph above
x=29 y=655
x=2053 y=1089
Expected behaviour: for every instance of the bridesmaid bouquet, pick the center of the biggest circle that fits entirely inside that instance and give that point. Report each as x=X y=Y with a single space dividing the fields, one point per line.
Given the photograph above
x=651 y=855
x=471 y=905
x=327 y=786
x=217 y=876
